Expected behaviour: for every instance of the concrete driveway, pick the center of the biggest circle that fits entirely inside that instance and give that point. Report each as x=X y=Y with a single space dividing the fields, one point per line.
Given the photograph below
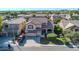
x=32 y=43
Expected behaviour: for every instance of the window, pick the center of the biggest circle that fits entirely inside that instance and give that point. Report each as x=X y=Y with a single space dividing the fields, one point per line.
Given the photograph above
x=76 y=29
x=49 y=31
x=43 y=25
x=43 y=31
x=38 y=28
x=6 y=26
x=30 y=26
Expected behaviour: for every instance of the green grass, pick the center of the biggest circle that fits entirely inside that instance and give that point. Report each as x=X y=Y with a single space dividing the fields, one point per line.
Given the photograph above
x=51 y=35
x=61 y=39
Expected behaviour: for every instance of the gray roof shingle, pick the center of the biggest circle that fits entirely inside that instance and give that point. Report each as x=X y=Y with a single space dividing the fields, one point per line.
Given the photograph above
x=75 y=22
x=14 y=21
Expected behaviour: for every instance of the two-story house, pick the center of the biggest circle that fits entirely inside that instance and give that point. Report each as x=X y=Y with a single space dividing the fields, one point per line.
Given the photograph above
x=38 y=27
x=64 y=16
x=13 y=26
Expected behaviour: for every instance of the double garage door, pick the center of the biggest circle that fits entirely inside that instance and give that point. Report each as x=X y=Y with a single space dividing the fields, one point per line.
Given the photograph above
x=35 y=38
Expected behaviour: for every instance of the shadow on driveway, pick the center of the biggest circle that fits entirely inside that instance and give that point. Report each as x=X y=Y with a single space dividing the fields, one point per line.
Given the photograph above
x=22 y=42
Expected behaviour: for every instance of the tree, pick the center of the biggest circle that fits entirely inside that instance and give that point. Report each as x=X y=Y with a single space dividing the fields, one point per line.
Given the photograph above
x=14 y=14
x=50 y=12
x=75 y=37
x=8 y=17
x=49 y=18
x=58 y=30
x=27 y=18
x=0 y=23
x=33 y=15
x=71 y=35
x=57 y=20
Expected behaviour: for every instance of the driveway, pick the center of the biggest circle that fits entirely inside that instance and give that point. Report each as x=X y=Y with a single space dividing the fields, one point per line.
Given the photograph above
x=32 y=43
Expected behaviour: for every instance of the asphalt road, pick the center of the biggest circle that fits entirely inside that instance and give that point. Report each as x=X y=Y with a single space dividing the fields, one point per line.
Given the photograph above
x=46 y=48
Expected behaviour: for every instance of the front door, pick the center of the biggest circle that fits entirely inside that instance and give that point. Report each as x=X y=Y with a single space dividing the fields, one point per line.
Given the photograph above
x=49 y=31
x=43 y=31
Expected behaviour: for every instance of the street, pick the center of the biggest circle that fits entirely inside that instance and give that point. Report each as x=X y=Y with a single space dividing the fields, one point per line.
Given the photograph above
x=45 y=48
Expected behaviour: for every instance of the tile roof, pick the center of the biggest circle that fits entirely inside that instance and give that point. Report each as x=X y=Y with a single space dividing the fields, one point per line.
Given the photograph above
x=75 y=22
x=14 y=21
x=38 y=20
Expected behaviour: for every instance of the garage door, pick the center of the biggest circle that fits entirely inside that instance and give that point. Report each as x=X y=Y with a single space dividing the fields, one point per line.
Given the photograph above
x=35 y=38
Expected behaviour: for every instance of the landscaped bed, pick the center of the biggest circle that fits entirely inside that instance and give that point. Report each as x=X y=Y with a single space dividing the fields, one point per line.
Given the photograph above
x=52 y=38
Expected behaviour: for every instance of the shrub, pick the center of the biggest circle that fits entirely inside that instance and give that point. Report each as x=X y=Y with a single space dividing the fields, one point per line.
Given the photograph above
x=57 y=20
x=44 y=41
x=51 y=36
x=58 y=30
x=61 y=39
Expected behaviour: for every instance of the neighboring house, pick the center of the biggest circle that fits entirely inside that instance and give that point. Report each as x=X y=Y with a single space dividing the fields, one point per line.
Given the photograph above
x=75 y=14
x=24 y=15
x=64 y=16
x=73 y=24
x=75 y=28
x=37 y=27
x=76 y=25
x=14 y=26
x=43 y=15
x=65 y=24
x=75 y=17
x=4 y=17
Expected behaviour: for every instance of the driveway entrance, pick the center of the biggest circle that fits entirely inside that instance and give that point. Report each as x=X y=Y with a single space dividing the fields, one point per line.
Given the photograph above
x=32 y=41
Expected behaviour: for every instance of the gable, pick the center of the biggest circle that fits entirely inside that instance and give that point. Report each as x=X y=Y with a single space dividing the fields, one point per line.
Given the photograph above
x=38 y=20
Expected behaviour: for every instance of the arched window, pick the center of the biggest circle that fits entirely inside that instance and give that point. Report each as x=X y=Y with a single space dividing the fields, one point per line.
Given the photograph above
x=30 y=26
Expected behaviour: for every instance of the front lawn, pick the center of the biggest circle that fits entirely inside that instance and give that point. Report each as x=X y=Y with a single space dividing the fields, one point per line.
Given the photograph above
x=53 y=39
x=62 y=39
x=44 y=41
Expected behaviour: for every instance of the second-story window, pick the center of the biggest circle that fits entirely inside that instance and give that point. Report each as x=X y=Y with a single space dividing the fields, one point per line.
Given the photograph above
x=30 y=26
x=6 y=26
x=43 y=25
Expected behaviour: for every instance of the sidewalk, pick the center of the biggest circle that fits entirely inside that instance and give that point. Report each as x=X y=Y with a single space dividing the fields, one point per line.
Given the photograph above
x=31 y=45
